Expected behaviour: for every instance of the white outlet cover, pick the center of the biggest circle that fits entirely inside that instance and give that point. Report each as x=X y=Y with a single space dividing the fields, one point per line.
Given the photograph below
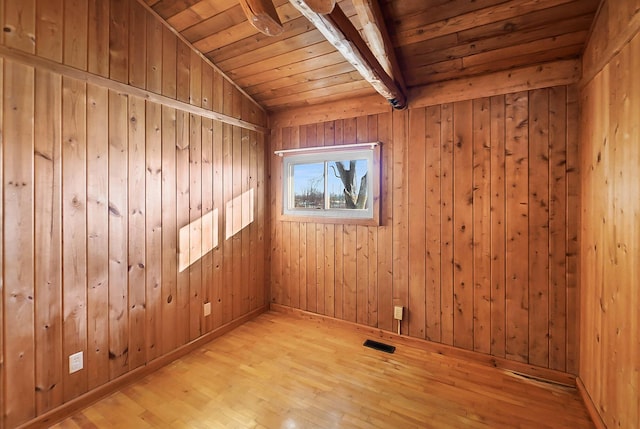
x=75 y=362
x=207 y=308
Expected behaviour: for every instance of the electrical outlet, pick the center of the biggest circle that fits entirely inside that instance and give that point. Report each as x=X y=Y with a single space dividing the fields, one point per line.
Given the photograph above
x=75 y=362
x=207 y=308
x=397 y=312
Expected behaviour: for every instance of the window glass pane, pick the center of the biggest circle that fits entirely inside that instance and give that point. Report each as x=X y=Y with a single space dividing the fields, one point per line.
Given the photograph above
x=347 y=184
x=308 y=186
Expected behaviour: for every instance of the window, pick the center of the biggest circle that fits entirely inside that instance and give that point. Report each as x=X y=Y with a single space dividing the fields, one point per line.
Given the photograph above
x=331 y=184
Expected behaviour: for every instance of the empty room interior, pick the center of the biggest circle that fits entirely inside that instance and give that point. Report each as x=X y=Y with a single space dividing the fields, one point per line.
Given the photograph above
x=320 y=214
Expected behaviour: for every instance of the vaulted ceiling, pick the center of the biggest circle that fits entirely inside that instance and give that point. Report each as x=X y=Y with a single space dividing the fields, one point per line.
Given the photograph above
x=433 y=40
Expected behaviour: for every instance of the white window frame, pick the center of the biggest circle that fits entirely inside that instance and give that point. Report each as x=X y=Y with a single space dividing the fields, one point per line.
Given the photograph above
x=325 y=154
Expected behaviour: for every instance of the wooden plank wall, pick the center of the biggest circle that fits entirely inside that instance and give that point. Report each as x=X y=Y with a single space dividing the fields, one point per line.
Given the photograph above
x=96 y=184
x=475 y=228
x=610 y=211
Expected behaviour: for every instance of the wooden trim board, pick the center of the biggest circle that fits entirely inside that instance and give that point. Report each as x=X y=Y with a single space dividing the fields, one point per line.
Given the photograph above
x=565 y=72
x=546 y=75
x=67 y=409
x=588 y=403
x=529 y=371
x=71 y=72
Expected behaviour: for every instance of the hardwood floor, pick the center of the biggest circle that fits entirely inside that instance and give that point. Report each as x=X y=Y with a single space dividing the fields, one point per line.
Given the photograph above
x=280 y=371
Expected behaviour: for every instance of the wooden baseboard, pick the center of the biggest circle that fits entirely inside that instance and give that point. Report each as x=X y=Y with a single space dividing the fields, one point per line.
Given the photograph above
x=526 y=370
x=591 y=407
x=68 y=408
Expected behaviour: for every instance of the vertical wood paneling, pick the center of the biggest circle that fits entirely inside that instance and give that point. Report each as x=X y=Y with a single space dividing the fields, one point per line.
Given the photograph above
x=169 y=231
x=517 y=214
x=47 y=197
x=263 y=256
x=558 y=229
x=254 y=234
x=498 y=237
x=248 y=231
x=539 y=227
x=349 y=272
x=458 y=182
x=18 y=245
x=74 y=228
x=218 y=203
x=169 y=63
x=97 y=236
x=182 y=217
x=385 y=231
x=227 y=154
x=417 y=225
x=19 y=21
x=400 y=247
x=446 y=231
x=154 y=55
x=137 y=45
x=362 y=273
x=287 y=280
x=433 y=222
x=206 y=322
x=50 y=29
x=195 y=213
x=608 y=253
x=98 y=37
x=75 y=36
x=48 y=233
x=153 y=230
x=329 y=269
x=136 y=265
x=235 y=241
x=573 y=201
x=119 y=40
x=278 y=139
x=298 y=264
x=91 y=200
x=482 y=225
x=463 y=225
x=195 y=197
x=118 y=249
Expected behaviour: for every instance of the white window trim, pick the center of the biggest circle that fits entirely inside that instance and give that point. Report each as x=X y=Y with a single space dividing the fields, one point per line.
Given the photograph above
x=323 y=154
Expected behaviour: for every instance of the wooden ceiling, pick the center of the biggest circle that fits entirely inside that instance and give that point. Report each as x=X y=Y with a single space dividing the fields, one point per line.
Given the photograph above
x=433 y=40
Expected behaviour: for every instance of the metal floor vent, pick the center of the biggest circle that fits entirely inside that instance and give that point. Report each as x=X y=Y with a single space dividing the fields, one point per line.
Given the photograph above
x=379 y=346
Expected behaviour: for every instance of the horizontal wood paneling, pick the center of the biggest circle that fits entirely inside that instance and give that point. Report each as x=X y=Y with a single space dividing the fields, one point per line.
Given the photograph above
x=474 y=213
x=610 y=214
x=96 y=184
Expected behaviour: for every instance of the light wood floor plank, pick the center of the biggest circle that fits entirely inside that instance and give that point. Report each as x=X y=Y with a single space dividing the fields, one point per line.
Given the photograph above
x=281 y=371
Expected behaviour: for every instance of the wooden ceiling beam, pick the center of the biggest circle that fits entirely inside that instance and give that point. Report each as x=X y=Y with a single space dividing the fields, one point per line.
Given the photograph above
x=341 y=33
x=263 y=16
x=321 y=6
x=377 y=36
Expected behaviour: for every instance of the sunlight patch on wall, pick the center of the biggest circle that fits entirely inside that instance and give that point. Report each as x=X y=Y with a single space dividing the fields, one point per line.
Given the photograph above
x=197 y=239
x=239 y=213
